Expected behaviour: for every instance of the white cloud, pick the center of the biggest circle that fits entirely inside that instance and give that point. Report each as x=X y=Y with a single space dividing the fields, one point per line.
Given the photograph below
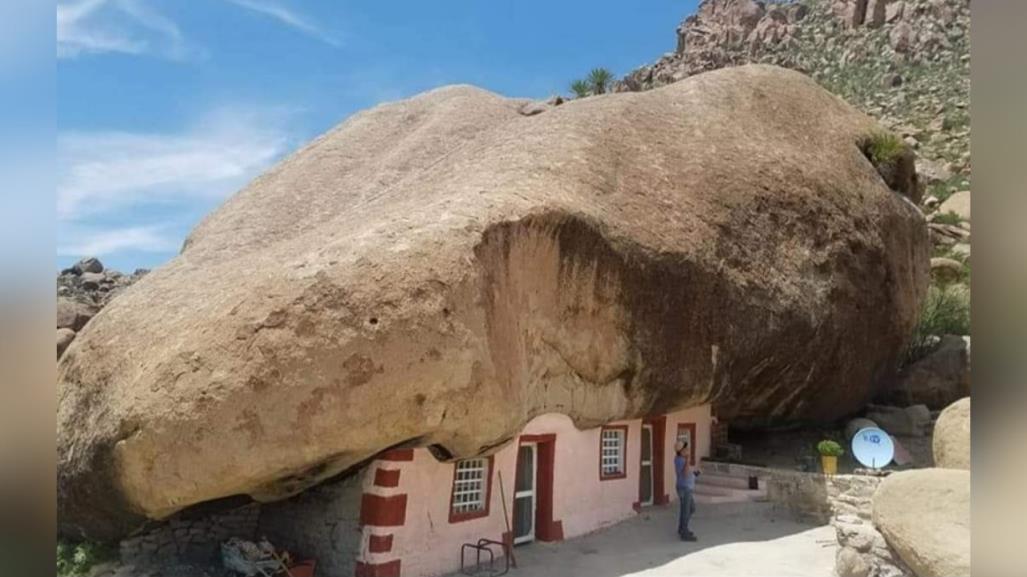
x=112 y=186
x=288 y=17
x=104 y=171
x=120 y=26
x=99 y=242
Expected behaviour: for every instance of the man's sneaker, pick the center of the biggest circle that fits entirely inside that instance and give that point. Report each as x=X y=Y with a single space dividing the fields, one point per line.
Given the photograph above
x=689 y=537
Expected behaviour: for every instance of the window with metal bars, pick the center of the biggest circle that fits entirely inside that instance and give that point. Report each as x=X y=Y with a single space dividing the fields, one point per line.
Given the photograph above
x=611 y=454
x=470 y=486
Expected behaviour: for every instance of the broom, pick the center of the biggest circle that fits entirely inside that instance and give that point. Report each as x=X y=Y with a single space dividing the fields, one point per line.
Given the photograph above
x=506 y=519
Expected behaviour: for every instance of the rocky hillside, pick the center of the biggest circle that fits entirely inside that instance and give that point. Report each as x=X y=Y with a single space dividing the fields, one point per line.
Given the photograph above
x=904 y=62
x=82 y=290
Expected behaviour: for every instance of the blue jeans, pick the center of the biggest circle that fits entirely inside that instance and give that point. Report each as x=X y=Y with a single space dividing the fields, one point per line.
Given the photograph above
x=687 y=504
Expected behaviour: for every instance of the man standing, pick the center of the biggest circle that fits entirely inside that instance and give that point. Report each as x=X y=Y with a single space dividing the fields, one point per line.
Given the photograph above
x=685 y=486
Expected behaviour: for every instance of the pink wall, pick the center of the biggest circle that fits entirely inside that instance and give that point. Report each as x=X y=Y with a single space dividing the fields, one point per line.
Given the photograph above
x=427 y=543
x=701 y=417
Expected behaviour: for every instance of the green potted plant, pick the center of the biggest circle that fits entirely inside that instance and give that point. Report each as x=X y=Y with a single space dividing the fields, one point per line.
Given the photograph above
x=829 y=452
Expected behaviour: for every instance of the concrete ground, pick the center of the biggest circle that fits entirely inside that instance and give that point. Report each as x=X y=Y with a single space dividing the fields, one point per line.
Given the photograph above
x=734 y=539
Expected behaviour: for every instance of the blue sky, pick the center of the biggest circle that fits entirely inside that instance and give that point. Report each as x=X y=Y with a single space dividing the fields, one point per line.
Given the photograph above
x=166 y=107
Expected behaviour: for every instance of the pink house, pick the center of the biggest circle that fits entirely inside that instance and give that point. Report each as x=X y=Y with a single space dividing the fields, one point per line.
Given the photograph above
x=559 y=482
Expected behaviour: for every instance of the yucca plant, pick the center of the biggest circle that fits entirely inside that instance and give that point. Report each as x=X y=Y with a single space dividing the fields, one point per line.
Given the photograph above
x=599 y=80
x=829 y=448
x=581 y=88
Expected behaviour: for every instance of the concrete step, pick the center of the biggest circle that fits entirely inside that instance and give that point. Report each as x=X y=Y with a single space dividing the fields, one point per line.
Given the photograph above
x=724 y=481
x=701 y=499
x=726 y=489
x=704 y=489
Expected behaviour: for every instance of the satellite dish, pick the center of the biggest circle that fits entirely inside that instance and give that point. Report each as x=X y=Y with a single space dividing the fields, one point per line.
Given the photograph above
x=873 y=447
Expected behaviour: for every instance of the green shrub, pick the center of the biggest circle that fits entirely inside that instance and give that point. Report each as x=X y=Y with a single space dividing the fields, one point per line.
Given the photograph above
x=599 y=79
x=947 y=218
x=882 y=147
x=829 y=448
x=946 y=311
x=77 y=559
x=581 y=88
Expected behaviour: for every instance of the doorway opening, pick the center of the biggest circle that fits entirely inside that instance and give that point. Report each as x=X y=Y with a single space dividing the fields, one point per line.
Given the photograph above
x=646 y=490
x=533 y=491
x=651 y=486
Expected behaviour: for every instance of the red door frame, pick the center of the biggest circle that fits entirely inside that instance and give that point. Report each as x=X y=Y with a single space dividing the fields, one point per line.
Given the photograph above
x=659 y=425
x=546 y=528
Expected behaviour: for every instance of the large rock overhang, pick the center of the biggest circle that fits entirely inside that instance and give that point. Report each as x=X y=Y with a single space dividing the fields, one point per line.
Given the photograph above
x=442 y=270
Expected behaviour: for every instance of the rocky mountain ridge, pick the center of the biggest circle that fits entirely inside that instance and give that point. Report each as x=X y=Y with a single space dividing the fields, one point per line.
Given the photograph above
x=904 y=62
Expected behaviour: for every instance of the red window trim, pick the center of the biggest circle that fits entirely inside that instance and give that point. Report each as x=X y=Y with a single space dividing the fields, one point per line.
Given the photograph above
x=455 y=517
x=691 y=446
x=624 y=460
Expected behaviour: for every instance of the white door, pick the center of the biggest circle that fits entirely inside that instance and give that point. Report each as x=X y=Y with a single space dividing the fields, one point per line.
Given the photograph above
x=645 y=474
x=524 y=494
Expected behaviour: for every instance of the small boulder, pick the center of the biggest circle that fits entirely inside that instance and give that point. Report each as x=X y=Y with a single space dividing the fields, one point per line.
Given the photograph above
x=91 y=281
x=893 y=11
x=933 y=171
x=854 y=426
x=958 y=203
x=892 y=80
x=64 y=338
x=73 y=314
x=946 y=270
x=911 y=421
x=951 y=442
x=536 y=107
x=85 y=265
x=901 y=37
x=849 y=563
x=924 y=515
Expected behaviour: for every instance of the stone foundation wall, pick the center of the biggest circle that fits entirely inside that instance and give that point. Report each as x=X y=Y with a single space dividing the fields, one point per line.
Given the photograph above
x=862 y=550
x=804 y=495
x=322 y=523
x=190 y=537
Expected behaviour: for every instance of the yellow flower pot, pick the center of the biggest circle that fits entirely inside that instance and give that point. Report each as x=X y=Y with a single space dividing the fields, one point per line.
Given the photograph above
x=829 y=464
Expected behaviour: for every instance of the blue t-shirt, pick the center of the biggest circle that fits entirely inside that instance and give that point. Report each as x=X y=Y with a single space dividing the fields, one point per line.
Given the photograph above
x=685 y=479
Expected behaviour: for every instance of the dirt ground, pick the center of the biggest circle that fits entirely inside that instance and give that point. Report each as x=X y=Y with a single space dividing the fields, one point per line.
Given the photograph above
x=734 y=539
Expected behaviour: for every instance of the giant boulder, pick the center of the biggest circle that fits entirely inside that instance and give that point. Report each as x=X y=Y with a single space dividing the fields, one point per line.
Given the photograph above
x=443 y=269
x=924 y=514
x=951 y=442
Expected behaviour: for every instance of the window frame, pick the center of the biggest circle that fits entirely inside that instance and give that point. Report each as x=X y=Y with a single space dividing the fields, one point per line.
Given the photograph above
x=457 y=517
x=623 y=473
